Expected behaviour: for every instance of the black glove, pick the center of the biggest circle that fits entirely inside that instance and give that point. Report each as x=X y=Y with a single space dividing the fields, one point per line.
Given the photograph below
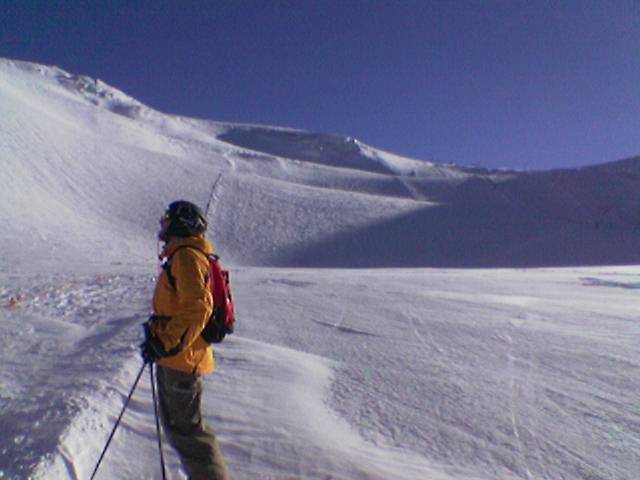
x=152 y=348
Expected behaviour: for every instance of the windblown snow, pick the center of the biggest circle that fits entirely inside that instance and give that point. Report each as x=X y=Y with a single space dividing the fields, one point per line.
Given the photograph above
x=433 y=367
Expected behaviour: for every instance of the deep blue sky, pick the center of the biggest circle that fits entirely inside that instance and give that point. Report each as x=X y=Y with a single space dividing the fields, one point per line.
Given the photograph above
x=528 y=85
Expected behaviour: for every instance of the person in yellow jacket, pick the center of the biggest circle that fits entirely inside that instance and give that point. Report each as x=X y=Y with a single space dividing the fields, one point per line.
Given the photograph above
x=182 y=305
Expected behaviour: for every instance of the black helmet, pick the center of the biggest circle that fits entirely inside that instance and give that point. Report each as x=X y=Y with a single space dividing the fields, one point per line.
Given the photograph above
x=184 y=219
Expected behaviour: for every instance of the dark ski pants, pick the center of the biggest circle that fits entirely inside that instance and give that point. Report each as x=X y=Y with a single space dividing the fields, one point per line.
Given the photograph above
x=180 y=394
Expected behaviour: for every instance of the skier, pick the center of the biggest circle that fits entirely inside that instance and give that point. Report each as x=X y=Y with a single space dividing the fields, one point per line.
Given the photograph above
x=182 y=304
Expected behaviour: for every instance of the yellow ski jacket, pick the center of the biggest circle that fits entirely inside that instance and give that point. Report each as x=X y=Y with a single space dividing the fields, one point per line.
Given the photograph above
x=185 y=306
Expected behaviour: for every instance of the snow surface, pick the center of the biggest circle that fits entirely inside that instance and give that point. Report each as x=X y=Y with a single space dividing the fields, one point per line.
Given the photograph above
x=333 y=373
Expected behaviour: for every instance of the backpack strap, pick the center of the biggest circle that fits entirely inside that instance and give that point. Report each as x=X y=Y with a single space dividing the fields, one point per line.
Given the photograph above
x=166 y=266
x=212 y=332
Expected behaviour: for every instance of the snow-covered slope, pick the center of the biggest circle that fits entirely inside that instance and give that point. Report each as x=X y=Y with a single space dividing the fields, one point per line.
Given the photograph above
x=79 y=156
x=342 y=373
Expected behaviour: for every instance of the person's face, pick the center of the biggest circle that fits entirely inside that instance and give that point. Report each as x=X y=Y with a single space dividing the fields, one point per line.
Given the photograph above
x=165 y=221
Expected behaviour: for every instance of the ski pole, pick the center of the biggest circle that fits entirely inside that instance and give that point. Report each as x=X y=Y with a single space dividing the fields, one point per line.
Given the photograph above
x=155 y=410
x=115 y=427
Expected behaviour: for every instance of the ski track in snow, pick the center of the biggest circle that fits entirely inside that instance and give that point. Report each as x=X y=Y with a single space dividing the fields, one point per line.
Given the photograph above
x=514 y=387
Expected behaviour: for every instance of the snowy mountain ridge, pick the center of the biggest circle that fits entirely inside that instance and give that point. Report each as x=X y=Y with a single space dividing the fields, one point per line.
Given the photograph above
x=343 y=197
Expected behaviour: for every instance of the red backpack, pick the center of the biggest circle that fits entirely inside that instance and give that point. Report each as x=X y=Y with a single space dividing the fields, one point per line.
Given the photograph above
x=222 y=320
